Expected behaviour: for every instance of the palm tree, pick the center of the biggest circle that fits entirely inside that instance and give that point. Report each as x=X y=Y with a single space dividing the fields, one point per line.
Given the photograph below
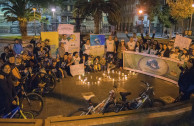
x=21 y=11
x=95 y=8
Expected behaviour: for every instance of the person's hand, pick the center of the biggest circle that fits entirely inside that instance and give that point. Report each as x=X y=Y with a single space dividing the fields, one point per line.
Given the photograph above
x=2 y=77
x=126 y=32
x=14 y=102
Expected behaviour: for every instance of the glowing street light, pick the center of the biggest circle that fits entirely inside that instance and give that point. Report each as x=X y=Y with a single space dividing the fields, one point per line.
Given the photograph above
x=140 y=11
x=53 y=10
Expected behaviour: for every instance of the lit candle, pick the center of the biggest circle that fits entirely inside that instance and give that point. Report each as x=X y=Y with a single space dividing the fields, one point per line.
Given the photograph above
x=113 y=71
x=98 y=82
x=122 y=74
x=113 y=79
x=79 y=77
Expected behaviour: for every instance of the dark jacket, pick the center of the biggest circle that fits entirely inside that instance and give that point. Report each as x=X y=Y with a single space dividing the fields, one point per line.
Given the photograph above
x=7 y=94
x=186 y=80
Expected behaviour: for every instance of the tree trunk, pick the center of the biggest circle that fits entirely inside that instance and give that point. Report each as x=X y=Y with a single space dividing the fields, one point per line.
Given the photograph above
x=97 y=18
x=23 y=28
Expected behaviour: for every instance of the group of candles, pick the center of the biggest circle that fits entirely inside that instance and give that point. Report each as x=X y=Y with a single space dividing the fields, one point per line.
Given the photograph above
x=106 y=75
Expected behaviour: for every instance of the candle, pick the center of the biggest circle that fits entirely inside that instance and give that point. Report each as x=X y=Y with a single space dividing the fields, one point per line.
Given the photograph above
x=122 y=74
x=79 y=77
x=113 y=71
x=98 y=82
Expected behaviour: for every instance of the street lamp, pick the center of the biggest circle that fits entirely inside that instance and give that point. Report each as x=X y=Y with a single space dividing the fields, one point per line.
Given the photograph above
x=191 y=17
x=140 y=13
x=54 y=10
x=34 y=9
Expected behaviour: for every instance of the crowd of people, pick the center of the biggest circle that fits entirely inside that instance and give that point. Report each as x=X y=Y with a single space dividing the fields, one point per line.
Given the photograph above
x=17 y=61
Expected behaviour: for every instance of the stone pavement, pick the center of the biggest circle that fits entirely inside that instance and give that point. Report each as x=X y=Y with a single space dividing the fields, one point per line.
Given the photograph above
x=67 y=96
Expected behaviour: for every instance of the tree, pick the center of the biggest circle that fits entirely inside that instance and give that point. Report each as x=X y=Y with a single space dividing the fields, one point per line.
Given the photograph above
x=165 y=17
x=180 y=9
x=96 y=8
x=21 y=11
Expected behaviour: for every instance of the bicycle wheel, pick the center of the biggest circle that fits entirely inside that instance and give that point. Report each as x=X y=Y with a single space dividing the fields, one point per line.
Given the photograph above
x=50 y=83
x=28 y=115
x=157 y=103
x=32 y=103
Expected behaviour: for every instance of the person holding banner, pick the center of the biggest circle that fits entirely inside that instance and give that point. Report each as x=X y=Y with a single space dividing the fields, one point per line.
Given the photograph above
x=61 y=51
x=86 y=49
x=131 y=45
x=110 y=46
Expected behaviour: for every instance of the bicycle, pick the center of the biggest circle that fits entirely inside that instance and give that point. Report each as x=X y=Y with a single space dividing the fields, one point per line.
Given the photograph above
x=145 y=100
x=32 y=102
x=48 y=82
x=18 y=113
x=107 y=105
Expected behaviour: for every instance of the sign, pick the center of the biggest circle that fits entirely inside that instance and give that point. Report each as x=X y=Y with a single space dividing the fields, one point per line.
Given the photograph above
x=96 y=40
x=71 y=42
x=182 y=42
x=77 y=69
x=54 y=41
x=159 y=67
x=65 y=29
x=97 y=50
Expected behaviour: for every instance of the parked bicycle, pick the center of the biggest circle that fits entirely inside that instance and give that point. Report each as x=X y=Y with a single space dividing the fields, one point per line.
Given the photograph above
x=17 y=112
x=29 y=102
x=107 y=105
x=146 y=99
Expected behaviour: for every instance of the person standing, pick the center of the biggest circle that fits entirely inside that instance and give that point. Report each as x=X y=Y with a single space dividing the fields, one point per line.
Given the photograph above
x=120 y=51
x=131 y=45
x=17 y=48
x=61 y=51
x=186 y=80
x=7 y=90
x=86 y=49
x=110 y=46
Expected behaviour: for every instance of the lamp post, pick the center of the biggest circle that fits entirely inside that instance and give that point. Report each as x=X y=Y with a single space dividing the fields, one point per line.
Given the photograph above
x=54 y=10
x=140 y=13
x=34 y=9
x=191 y=18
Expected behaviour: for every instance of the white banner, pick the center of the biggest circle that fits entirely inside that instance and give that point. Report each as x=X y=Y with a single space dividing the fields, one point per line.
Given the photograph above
x=71 y=42
x=77 y=69
x=182 y=42
x=65 y=29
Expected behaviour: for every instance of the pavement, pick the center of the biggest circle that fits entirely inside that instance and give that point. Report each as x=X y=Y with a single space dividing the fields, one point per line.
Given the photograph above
x=68 y=94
